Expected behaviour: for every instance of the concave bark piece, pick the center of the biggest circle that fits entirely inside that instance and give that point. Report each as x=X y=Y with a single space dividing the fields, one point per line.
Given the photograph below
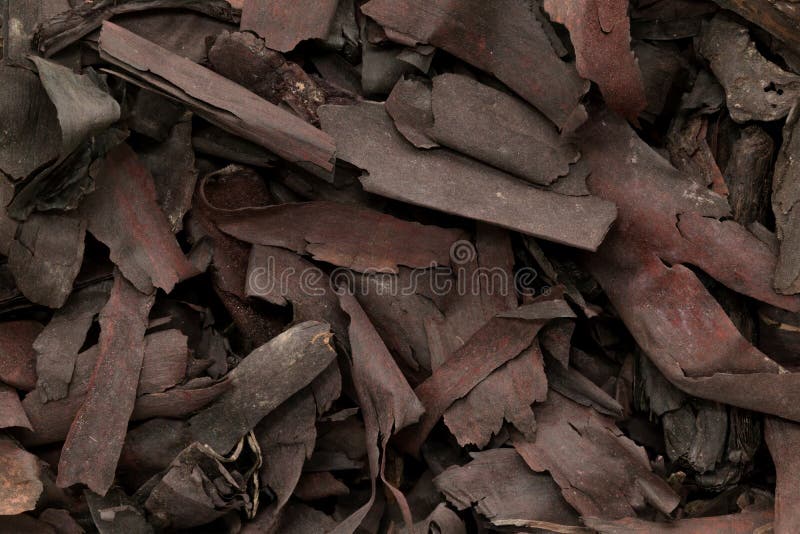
x=284 y=24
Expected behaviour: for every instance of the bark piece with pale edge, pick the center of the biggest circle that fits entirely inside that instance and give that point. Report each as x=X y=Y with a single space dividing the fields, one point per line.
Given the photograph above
x=786 y=206
x=367 y=138
x=600 y=30
x=373 y=242
x=20 y=483
x=263 y=381
x=95 y=439
x=284 y=24
x=124 y=215
x=217 y=99
x=502 y=37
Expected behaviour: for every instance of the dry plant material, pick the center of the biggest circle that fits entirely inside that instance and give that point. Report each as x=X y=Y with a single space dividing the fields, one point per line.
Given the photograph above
x=283 y=25
x=20 y=482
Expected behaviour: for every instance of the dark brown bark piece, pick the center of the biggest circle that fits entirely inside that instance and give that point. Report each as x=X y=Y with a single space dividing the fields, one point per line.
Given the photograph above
x=217 y=99
x=66 y=28
x=503 y=37
x=498 y=129
x=503 y=489
x=171 y=164
x=499 y=341
x=409 y=105
x=375 y=242
x=265 y=379
x=783 y=438
x=31 y=136
x=506 y=394
x=283 y=25
x=778 y=18
x=600 y=32
x=20 y=482
x=316 y=486
x=123 y=214
x=747 y=175
x=367 y=138
x=46 y=256
x=169 y=368
x=786 y=207
x=116 y=512
x=756 y=88
x=388 y=404
x=17 y=357
x=754 y=519
x=282 y=277
x=58 y=345
x=601 y=472
x=95 y=439
x=12 y=414
x=61 y=520
x=247 y=60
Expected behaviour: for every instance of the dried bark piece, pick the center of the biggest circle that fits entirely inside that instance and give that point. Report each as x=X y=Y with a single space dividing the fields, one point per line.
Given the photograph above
x=265 y=379
x=46 y=256
x=778 y=18
x=61 y=520
x=70 y=26
x=20 y=482
x=503 y=37
x=690 y=153
x=499 y=341
x=84 y=110
x=150 y=448
x=246 y=59
x=786 y=207
x=748 y=521
x=286 y=438
x=367 y=138
x=747 y=175
x=375 y=242
x=219 y=100
x=17 y=357
x=169 y=368
x=153 y=115
x=600 y=32
x=316 y=486
x=181 y=400
x=507 y=393
x=298 y=518
x=116 y=512
x=498 y=129
x=200 y=486
x=58 y=345
x=409 y=105
x=25 y=523
x=783 y=438
x=663 y=68
x=95 y=439
x=756 y=89
x=171 y=164
x=283 y=25
x=12 y=414
x=442 y=520
x=601 y=472
x=654 y=300
x=31 y=134
x=503 y=489
x=123 y=214
x=387 y=403
x=282 y=277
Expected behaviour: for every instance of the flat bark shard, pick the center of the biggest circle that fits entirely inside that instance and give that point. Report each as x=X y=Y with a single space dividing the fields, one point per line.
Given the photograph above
x=58 y=345
x=123 y=214
x=752 y=519
x=367 y=138
x=46 y=256
x=283 y=25
x=601 y=472
x=756 y=89
x=20 y=482
x=498 y=129
x=778 y=18
x=497 y=37
x=409 y=105
x=782 y=438
x=376 y=242
x=600 y=32
x=786 y=207
x=218 y=99
x=12 y=414
x=95 y=439
x=265 y=379
x=17 y=357
x=502 y=488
